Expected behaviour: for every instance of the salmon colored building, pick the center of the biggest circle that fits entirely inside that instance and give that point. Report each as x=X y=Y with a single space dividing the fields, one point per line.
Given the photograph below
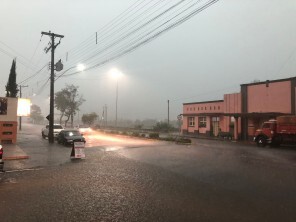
x=8 y=120
x=238 y=115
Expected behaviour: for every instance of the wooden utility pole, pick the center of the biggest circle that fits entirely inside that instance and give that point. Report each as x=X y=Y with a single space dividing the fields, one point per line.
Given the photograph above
x=51 y=105
x=168 y=115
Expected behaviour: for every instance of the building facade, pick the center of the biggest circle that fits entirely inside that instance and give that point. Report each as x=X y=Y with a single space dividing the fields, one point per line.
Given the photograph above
x=238 y=115
x=8 y=120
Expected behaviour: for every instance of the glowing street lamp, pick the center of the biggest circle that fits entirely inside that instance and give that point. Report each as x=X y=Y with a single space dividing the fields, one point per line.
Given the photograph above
x=80 y=67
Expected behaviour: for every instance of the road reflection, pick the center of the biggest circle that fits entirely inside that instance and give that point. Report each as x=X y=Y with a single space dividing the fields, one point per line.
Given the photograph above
x=97 y=138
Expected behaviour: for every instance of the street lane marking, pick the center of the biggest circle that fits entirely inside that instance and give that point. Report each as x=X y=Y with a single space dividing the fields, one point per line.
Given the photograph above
x=21 y=170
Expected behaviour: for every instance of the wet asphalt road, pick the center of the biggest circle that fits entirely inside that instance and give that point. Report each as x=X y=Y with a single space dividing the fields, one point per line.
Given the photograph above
x=147 y=181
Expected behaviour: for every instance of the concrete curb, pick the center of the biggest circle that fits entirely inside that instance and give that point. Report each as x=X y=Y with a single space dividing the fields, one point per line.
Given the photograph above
x=16 y=158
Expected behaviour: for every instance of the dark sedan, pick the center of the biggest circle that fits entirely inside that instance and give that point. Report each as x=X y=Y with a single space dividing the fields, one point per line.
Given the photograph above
x=68 y=136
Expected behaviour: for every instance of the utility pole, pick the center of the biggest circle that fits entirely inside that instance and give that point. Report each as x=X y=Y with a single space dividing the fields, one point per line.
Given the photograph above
x=51 y=104
x=168 y=115
x=20 y=119
x=116 y=104
x=106 y=116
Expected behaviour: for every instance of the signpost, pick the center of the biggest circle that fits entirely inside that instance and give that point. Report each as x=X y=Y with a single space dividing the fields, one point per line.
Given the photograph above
x=1 y=160
x=78 y=150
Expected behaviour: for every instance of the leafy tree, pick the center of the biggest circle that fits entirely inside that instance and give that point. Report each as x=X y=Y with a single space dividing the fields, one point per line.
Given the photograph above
x=138 y=126
x=11 y=87
x=36 y=115
x=162 y=127
x=89 y=118
x=68 y=101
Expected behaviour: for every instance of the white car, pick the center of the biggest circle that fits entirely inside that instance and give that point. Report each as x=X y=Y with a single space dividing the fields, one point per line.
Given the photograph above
x=57 y=128
x=83 y=129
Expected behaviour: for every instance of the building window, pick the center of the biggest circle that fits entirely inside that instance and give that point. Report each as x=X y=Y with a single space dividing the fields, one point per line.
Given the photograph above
x=215 y=119
x=198 y=108
x=191 y=121
x=7 y=125
x=205 y=108
x=218 y=107
x=202 y=122
x=210 y=108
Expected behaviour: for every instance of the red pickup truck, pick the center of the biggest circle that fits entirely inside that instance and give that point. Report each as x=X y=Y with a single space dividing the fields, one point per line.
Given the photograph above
x=278 y=131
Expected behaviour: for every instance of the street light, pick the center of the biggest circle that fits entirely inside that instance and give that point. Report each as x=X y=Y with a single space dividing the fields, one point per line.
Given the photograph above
x=116 y=74
x=80 y=67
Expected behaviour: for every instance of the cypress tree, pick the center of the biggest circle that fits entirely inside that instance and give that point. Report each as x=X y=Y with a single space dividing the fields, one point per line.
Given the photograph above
x=11 y=87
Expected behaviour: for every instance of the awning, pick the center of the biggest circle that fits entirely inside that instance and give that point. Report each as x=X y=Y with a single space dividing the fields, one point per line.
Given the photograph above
x=248 y=115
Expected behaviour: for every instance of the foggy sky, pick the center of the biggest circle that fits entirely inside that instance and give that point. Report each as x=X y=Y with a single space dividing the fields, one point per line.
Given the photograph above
x=231 y=43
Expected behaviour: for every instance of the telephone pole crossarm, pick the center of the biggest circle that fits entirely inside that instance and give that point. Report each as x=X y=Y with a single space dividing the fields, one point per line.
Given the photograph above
x=52 y=34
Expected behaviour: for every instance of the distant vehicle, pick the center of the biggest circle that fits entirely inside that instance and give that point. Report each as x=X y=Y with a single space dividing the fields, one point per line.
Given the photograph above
x=57 y=128
x=67 y=137
x=278 y=131
x=83 y=129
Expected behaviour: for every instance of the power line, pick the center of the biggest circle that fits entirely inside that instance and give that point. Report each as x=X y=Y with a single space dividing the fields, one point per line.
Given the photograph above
x=136 y=29
x=144 y=34
x=43 y=86
x=143 y=41
x=108 y=25
x=25 y=80
x=21 y=59
x=110 y=30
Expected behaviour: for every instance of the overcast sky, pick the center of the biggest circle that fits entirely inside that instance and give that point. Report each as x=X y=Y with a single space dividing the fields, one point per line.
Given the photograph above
x=230 y=43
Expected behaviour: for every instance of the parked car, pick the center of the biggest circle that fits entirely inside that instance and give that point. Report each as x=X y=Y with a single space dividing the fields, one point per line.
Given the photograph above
x=57 y=128
x=68 y=136
x=83 y=129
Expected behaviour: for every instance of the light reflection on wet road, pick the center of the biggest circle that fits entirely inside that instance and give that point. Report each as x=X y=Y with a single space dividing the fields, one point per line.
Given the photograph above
x=131 y=179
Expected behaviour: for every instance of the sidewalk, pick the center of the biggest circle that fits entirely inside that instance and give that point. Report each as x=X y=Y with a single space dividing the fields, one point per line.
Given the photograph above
x=13 y=152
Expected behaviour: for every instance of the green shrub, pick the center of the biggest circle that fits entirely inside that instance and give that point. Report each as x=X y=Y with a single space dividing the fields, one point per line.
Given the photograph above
x=154 y=135
x=168 y=139
x=183 y=140
x=135 y=134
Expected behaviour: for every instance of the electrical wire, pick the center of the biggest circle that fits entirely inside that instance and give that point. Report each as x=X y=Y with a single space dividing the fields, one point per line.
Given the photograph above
x=111 y=30
x=136 y=29
x=25 y=80
x=153 y=36
x=144 y=33
x=108 y=25
x=43 y=86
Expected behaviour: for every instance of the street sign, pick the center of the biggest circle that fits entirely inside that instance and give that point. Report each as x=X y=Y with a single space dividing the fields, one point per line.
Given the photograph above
x=78 y=150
